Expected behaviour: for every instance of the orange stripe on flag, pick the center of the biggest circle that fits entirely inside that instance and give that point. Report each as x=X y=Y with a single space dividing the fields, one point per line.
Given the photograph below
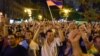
x=50 y=3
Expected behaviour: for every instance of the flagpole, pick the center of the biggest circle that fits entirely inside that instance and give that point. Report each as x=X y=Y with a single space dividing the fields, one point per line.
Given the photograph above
x=50 y=12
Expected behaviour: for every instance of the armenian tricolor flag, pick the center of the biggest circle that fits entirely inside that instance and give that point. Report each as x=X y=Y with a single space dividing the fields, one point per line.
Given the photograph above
x=58 y=3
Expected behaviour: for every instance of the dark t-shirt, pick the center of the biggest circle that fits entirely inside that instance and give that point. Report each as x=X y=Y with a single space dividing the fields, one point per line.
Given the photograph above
x=97 y=54
x=82 y=45
x=17 y=51
x=62 y=49
x=1 y=45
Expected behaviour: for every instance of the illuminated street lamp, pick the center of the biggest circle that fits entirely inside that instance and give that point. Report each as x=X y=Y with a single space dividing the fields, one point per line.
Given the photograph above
x=40 y=17
x=65 y=12
x=29 y=13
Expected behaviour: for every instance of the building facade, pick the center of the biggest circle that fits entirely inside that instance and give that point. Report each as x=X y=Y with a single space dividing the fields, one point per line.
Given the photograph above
x=14 y=8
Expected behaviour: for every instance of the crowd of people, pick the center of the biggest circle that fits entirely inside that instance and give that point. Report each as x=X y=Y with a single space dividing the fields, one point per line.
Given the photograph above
x=47 y=38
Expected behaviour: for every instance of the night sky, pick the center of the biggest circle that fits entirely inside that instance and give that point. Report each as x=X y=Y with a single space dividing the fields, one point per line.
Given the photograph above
x=36 y=1
x=41 y=2
x=73 y=3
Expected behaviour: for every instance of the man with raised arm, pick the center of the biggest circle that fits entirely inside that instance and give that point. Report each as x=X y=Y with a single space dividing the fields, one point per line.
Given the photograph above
x=74 y=37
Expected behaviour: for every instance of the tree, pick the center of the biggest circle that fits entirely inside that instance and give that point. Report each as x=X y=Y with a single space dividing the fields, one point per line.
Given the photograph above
x=74 y=15
x=91 y=9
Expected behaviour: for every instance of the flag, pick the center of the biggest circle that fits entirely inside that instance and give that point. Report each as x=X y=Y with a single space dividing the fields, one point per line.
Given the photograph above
x=58 y=3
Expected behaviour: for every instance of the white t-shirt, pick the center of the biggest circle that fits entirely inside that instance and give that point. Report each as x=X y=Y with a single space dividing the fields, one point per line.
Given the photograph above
x=50 y=50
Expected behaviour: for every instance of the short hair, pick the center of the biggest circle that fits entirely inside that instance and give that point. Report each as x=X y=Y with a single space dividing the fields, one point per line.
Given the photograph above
x=42 y=34
x=48 y=31
x=96 y=36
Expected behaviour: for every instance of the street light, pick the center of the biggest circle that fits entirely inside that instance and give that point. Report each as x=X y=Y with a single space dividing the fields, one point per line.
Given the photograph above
x=29 y=13
x=65 y=12
x=40 y=17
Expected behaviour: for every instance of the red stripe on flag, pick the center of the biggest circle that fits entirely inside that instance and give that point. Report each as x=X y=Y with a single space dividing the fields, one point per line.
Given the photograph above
x=50 y=3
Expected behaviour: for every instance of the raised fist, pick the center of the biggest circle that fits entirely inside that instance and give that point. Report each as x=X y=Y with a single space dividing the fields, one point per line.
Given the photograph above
x=74 y=36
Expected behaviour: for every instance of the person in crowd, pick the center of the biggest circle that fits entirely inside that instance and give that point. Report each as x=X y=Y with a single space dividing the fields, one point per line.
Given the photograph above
x=51 y=42
x=33 y=45
x=1 y=43
x=22 y=41
x=74 y=37
x=13 y=49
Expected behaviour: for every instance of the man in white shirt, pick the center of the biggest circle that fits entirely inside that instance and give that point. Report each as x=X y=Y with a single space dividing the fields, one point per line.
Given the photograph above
x=50 y=45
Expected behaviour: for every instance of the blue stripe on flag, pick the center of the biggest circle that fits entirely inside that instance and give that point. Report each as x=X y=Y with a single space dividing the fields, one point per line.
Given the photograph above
x=57 y=2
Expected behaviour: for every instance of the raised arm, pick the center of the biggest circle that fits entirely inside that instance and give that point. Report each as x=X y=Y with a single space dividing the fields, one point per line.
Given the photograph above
x=60 y=31
x=74 y=37
x=37 y=33
x=61 y=34
x=85 y=37
x=86 y=41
